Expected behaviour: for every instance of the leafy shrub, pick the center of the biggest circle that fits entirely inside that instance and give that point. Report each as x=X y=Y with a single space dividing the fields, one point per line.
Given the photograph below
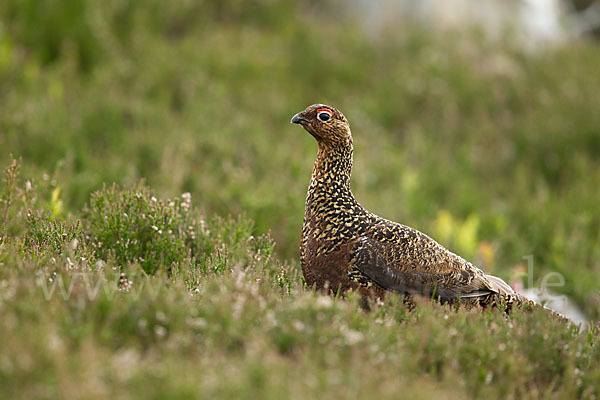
x=49 y=239
x=133 y=226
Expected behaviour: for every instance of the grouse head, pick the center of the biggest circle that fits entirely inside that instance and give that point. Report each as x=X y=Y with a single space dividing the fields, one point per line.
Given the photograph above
x=326 y=124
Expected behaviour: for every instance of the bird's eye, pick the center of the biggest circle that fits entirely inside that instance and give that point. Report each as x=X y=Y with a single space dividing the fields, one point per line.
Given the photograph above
x=323 y=115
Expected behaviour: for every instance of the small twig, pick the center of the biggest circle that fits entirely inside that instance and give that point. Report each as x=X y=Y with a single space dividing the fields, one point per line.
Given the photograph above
x=11 y=172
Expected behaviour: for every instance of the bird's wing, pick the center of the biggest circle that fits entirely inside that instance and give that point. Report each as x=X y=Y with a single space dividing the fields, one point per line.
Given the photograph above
x=402 y=259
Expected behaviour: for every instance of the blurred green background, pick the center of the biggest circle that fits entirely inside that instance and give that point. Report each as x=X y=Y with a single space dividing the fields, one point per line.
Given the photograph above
x=490 y=147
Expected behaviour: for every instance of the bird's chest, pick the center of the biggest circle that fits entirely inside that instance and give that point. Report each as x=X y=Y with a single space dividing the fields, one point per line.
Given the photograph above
x=328 y=234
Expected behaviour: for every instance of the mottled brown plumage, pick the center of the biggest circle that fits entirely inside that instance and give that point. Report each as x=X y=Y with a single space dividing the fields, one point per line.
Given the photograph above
x=345 y=247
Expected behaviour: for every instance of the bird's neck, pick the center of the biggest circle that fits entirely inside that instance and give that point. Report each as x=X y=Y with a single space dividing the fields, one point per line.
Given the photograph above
x=332 y=170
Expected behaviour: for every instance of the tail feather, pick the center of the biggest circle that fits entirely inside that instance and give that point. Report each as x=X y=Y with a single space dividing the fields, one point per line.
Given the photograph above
x=506 y=295
x=522 y=300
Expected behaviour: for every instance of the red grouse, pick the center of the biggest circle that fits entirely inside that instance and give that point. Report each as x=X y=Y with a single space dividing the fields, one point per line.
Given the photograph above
x=344 y=246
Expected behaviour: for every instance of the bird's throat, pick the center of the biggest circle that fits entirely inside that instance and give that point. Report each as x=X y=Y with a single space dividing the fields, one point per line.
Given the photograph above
x=331 y=173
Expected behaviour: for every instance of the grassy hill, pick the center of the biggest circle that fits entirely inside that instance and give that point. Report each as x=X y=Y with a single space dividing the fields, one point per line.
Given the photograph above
x=188 y=284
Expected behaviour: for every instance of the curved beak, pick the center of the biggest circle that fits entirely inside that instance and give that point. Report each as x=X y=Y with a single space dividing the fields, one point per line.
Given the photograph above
x=297 y=119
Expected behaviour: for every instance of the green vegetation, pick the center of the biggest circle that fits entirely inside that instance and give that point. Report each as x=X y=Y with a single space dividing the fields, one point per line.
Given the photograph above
x=187 y=284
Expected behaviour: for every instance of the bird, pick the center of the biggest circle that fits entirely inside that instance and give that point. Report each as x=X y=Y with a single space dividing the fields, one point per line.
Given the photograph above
x=344 y=247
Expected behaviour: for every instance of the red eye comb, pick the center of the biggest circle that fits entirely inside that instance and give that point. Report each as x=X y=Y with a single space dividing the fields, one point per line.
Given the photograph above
x=320 y=110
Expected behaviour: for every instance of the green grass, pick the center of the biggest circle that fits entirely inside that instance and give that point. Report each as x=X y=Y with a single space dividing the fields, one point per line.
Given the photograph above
x=491 y=150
